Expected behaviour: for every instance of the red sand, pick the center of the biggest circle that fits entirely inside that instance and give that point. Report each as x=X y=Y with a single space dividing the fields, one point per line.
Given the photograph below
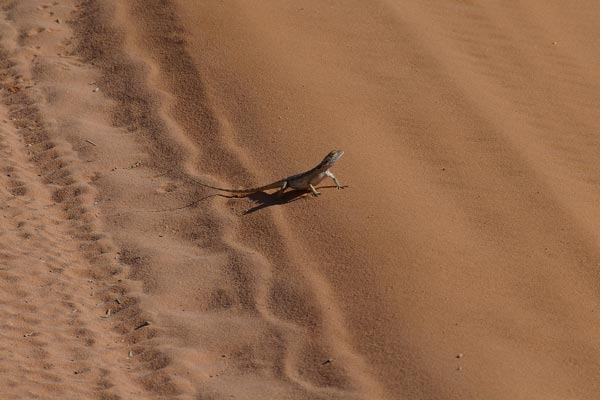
x=461 y=263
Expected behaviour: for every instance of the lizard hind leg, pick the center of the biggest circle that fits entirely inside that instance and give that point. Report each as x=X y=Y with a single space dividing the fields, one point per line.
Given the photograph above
x=313 y=190
x=281 y=189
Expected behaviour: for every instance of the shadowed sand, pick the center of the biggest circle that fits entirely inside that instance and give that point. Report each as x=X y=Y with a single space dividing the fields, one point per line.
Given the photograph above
x=460 y=263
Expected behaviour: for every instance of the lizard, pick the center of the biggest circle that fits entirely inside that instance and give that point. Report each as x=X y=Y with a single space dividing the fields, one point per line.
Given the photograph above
x=302 y=181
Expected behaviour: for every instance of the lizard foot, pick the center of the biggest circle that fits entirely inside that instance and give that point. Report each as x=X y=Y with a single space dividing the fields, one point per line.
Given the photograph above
x=313 y=190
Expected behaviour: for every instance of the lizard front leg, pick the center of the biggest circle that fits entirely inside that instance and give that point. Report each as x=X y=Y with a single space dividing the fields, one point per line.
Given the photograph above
x=330 y=174
x=313 y=190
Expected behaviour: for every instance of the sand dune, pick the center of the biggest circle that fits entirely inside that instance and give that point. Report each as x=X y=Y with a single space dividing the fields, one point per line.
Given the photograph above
x=459 y=263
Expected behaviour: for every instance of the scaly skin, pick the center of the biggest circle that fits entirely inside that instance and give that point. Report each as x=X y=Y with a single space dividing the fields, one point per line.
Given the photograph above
x=303 y=181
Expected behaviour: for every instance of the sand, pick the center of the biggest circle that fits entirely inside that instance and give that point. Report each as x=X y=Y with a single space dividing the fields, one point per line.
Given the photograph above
x=460 y=263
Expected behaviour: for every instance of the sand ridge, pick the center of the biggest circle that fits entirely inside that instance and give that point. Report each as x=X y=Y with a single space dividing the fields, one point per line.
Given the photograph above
x=283 y=337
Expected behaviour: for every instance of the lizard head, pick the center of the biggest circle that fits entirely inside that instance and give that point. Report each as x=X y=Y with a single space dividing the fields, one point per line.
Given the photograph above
x=331 y=158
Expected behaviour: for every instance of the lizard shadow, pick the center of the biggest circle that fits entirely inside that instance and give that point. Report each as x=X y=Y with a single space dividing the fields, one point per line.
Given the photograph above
x=263 y=199
x=266 y=200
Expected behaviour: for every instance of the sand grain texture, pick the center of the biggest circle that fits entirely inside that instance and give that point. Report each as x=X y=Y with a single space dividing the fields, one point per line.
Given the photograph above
x=461 y=263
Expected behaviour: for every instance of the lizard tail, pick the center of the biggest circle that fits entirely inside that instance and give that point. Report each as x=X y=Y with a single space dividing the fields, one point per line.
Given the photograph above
x=251 y=190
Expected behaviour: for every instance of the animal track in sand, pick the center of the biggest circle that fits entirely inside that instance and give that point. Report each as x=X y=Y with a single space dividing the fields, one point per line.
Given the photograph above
x=58 y=270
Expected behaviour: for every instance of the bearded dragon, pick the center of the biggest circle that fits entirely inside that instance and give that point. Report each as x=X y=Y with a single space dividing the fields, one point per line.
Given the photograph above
x=303 y=181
